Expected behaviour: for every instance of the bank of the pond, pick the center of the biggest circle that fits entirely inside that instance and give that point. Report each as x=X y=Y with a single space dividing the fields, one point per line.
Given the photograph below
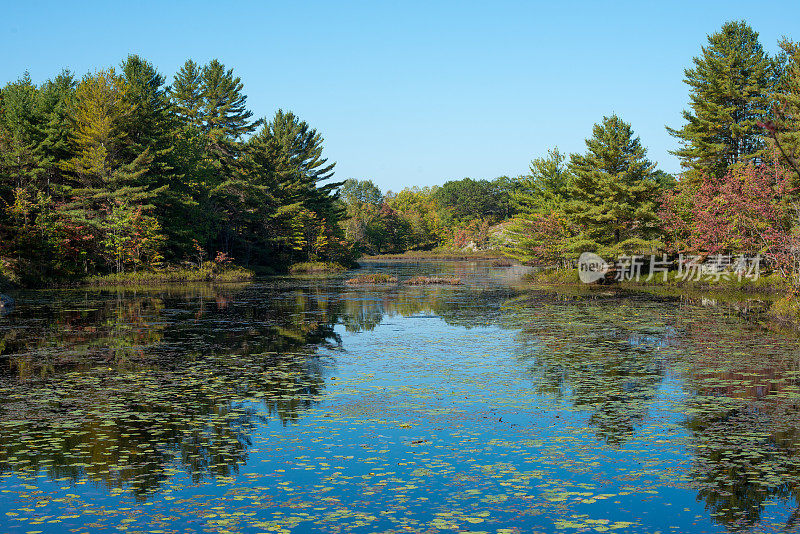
x=208 y=272
x=782 y=304
x=438 y=254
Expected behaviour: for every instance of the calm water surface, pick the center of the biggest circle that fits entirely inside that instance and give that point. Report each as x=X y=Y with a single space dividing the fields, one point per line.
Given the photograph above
x=304 y=405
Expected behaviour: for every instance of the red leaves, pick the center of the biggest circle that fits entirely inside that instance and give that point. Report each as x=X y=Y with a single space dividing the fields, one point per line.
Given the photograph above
x=743 y=212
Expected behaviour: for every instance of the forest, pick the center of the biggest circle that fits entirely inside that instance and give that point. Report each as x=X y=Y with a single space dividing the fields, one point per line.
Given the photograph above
x=737 y=192
x=120 y=171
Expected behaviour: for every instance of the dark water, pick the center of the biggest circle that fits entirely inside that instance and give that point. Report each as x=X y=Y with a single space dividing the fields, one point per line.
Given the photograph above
x=307 y=406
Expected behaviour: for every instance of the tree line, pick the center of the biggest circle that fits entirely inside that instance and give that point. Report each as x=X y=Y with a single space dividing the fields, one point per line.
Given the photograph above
x=118 y=171
x=738 y=189
x=737 y=192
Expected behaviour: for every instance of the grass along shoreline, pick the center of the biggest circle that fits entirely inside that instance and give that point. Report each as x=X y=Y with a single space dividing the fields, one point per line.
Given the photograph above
x=765 y=284
x=438 y=254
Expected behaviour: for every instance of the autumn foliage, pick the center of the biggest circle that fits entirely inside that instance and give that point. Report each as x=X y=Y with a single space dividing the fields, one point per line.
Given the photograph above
x=748 y=210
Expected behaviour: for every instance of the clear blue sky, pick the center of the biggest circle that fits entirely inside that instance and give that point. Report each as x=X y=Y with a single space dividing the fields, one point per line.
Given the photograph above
x=413 y=93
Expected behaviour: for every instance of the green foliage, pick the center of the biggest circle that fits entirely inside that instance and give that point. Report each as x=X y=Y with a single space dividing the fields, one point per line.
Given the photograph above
x=731 y=87
x=613 y=194
x=546 y=188
x=354 y=193
x=605 y=201
x=119 y=173
x=208 y=272
x=472 y=199
x=785 y=130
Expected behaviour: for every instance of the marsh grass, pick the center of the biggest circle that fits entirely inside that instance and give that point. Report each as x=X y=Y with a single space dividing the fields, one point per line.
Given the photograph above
x=374 y=278
x=772 y=283
x=438 y=254
x=206 y=273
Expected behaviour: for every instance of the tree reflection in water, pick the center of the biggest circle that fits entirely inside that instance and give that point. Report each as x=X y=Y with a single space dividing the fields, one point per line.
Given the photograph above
x=121 y=386
x=609 y=354
x=130 y=388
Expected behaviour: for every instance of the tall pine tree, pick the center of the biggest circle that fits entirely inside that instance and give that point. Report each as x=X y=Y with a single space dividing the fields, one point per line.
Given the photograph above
x=186 y=94
x=731 y=85
x=613 y=192
x=784 y=129
x=108 y=197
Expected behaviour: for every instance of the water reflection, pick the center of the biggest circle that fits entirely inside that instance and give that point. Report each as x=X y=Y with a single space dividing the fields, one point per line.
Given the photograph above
x=744 y=416
x=608 y=355
x=603 y=356
x=120 y=386
x=133 y=388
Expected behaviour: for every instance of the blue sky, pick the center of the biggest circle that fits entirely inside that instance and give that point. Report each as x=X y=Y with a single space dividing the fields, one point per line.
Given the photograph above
x=413 y=93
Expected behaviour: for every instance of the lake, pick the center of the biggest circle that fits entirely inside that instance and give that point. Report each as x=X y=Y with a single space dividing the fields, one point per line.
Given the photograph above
x=306 y=405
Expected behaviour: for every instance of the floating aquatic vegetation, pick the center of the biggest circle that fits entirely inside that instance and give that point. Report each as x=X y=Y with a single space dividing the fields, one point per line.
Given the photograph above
x=289 y=406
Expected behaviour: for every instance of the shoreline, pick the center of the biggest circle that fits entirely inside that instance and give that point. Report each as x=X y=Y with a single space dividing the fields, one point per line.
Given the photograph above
x=781 y=305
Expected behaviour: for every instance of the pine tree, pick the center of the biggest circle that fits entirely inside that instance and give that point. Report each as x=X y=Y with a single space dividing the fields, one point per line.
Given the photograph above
x=107 y=185
x=298 y=149
x=186 y=95
x=224 y=104
x=546 y=188
x=731 y=85
x=211 y=103
x=288 y=153
x=613 y=192
x=784 y=130
x=20 y=123
x=155 y=126
x=54 y=97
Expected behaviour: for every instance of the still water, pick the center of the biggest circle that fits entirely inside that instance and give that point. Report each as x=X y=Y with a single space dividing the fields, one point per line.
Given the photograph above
x=306 y=405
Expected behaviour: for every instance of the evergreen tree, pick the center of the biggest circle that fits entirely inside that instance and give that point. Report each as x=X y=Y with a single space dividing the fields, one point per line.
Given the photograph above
x=289 y=157
x=154 y=126
x=20 y=162
x=186 y=95
x=107 y=194
x=546 y=188
x=298 y=149
x=613 y=192
x=54 y=99
x=731 y=85
x=784 y=130
x=224 y=104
